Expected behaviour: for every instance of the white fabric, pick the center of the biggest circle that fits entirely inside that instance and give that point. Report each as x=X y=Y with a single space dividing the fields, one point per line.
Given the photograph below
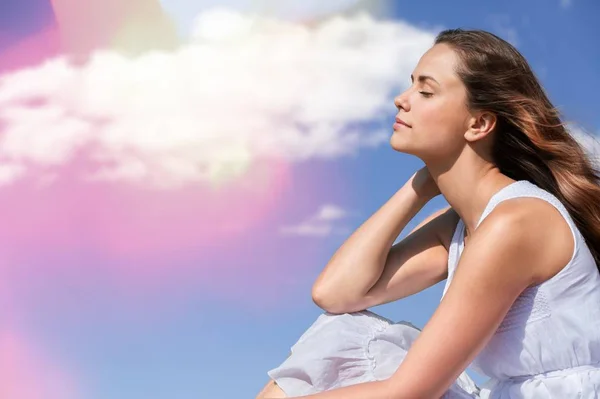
x=547 y=347
x=347 y=349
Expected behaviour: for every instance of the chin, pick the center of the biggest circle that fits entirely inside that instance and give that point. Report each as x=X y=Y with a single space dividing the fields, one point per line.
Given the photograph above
x=400 y=145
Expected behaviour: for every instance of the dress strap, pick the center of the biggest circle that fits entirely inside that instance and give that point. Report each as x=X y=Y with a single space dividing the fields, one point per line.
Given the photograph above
x=454 y=252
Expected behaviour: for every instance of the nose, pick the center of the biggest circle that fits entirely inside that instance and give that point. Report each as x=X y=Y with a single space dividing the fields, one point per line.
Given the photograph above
x=401 y=102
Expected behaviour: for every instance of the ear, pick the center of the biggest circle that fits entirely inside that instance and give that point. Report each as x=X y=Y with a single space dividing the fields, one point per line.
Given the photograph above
x=481 y=125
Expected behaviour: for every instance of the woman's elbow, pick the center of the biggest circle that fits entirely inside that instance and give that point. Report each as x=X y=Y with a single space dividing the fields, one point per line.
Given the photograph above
x=321 y=299
x=331 y=303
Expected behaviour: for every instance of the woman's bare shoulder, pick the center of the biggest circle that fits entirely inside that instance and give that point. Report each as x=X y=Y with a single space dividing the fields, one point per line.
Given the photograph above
x=541 y=224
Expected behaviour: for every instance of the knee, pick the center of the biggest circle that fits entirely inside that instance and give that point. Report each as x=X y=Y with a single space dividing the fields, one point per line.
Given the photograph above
x=271 y=391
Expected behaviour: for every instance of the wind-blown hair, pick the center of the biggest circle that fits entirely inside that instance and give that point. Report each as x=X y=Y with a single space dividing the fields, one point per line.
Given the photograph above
x=530 y=141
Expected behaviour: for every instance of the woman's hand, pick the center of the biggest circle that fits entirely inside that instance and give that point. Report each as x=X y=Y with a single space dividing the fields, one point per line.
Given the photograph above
x=424 y=185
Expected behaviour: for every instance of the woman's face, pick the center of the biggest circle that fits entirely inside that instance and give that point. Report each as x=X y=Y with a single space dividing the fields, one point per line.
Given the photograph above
x=432 y=114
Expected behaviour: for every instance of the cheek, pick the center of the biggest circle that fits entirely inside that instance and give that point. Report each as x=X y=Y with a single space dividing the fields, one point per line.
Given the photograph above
x=442 y=116
x=441 y=124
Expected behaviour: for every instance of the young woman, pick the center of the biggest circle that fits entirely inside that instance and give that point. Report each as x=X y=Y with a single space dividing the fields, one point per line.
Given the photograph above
x=519 y=248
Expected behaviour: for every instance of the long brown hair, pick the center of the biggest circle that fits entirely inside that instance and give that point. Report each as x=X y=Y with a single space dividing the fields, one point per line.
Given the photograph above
x=531 y=142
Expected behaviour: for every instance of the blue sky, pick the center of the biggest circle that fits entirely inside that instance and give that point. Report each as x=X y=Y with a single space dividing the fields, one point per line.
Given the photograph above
x=180 y=292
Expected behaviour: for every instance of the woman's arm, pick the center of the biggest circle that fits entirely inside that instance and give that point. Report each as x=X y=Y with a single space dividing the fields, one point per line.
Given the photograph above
x=417 y=262
x=500 y=262
x=364 y=271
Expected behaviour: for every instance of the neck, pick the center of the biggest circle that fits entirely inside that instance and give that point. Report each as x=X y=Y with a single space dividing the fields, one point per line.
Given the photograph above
x=468 y=185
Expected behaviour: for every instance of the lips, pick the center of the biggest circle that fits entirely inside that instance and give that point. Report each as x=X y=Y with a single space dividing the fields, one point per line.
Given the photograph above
x=401 y=122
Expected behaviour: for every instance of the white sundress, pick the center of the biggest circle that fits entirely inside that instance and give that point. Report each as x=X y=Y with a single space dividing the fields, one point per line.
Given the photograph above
x=547 y=347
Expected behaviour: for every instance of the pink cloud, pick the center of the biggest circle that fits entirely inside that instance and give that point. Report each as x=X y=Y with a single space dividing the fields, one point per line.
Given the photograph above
x=134 y=234
x=127 y=233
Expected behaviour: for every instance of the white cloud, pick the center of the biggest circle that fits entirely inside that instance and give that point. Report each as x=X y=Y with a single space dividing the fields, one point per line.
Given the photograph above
x=330 y=212
x=324 y=223
x=245 y=88
x=10 y=172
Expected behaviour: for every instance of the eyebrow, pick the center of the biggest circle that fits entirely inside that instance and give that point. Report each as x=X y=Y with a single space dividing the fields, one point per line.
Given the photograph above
x=423 y=78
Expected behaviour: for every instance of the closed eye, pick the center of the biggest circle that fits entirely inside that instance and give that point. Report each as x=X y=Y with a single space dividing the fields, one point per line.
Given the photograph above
x=426 y=94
